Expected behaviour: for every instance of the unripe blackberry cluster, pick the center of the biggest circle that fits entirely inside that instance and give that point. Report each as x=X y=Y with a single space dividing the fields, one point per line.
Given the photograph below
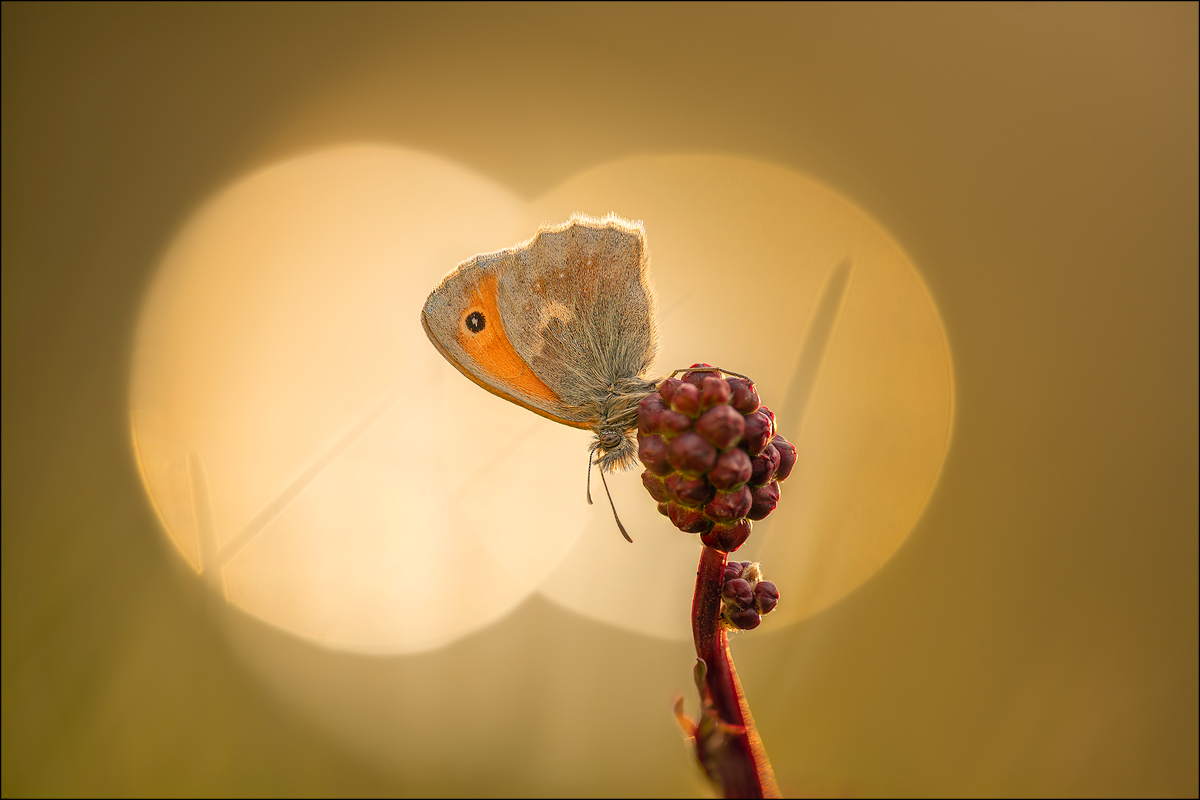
x=745 y=596
x=713 y=460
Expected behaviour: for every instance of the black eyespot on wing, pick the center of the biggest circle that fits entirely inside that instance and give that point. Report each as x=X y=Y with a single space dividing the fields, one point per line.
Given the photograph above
x=476 y=322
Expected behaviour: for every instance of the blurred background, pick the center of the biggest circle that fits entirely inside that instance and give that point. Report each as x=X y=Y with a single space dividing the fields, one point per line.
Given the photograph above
x=1035 y=634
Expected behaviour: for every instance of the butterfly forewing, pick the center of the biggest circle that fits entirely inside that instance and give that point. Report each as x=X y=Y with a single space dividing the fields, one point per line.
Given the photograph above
x=557 y=324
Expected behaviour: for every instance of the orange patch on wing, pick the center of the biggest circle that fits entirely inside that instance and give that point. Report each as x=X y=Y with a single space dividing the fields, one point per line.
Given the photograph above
x=494 y=353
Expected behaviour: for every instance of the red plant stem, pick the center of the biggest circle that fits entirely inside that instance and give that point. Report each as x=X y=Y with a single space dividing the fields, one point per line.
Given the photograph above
x=744 y=768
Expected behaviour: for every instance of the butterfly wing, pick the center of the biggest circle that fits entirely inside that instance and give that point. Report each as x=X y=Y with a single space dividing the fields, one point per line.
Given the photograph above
x=579 y=307
x=463 y=320
x=555 y=324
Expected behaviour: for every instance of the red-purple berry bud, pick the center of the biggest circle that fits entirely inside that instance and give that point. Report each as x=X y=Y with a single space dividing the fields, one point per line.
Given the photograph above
x=664 y=509
x=688 y=520
x=721 y=426
x=686 y=400
x=697 y=378
x=655 y=486
x=766 y=596
x=652 y=451
x=787 y=457
x=738 y=593
x=733 y=468
x=743 y=396
x=729 y=505
x=764 y=465
x=733 y=569
x=689 y=452
x=667 y=388
x=765 y=500
x=672 y=423
x=727 y=536
x=688 y=491
x=758 y=432
x=714 y=392
x=649 y=411
x=745 y=619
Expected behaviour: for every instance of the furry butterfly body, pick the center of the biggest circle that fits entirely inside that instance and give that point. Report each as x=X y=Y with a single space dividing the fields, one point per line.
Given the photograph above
x=562 y=324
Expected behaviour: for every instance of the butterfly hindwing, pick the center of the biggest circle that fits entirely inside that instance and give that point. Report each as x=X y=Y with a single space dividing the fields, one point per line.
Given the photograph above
x=579 y=308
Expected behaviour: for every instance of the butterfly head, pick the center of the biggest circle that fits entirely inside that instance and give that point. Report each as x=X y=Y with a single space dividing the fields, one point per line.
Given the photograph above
x=616 y=422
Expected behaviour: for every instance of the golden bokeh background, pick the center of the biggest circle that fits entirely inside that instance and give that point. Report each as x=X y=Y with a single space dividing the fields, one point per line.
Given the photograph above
x=1035 y=634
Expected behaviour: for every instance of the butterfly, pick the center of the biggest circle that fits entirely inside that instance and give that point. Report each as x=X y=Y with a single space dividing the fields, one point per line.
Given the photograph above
x=561 y=324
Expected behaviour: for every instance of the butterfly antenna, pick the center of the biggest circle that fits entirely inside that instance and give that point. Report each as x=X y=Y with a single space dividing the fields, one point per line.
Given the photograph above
x=717 y=370
x=611 y=503
x=591 y=460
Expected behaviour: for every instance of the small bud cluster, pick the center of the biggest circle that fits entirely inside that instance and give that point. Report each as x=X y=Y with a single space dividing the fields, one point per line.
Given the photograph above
x=745 y=596
x=713 y=460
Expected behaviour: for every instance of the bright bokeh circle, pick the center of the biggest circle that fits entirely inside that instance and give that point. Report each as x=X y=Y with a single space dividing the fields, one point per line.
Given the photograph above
x=319 y=463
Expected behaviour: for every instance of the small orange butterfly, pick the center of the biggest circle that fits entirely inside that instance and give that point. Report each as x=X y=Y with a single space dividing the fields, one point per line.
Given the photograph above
x=562 y=324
